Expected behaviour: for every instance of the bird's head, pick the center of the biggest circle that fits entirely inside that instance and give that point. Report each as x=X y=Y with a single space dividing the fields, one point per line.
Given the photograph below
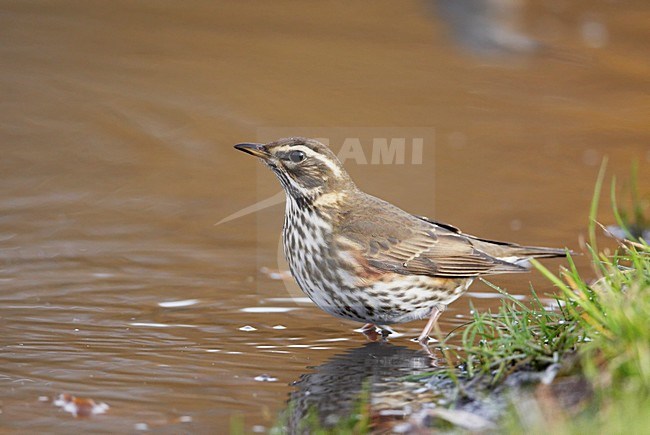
x=305 y=167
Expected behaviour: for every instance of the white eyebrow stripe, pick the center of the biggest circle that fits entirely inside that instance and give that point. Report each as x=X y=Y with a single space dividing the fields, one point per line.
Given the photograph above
x=311 y=153
x=332 y=165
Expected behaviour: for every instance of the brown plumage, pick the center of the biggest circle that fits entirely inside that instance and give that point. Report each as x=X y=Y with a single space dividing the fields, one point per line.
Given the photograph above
x=364 y=259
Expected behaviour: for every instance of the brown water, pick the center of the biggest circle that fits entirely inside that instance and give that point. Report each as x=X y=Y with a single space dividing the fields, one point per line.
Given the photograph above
x=117 y=124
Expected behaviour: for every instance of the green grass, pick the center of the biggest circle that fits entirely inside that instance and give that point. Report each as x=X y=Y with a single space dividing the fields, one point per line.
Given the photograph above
x=612 y=313
x=602 y=317
x=518 y=337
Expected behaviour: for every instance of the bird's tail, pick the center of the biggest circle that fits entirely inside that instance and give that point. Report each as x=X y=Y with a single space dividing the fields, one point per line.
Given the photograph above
x=514 y=253
x=536 y=252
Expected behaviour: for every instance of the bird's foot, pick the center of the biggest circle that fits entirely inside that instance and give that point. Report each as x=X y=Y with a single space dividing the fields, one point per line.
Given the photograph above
x=376 y=333
x=387 y=330
x=367 y=327
x=424 y=341
x=371 y=331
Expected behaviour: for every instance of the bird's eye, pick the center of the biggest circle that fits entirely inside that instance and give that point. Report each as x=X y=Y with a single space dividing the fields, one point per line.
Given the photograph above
x=296 y=156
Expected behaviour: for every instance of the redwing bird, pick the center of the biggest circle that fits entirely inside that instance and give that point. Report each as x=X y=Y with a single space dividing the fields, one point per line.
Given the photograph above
x=361 y=258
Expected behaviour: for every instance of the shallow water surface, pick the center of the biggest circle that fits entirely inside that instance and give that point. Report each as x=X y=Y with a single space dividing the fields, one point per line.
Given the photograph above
x=117 y=125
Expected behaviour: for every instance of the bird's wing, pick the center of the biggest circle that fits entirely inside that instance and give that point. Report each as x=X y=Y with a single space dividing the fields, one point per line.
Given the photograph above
x=386 y=238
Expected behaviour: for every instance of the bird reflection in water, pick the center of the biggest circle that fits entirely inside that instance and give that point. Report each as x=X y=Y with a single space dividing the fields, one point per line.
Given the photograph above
x=333 y=389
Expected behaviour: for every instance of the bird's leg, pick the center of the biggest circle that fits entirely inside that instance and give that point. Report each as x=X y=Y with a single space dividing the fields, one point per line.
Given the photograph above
x=435 y=314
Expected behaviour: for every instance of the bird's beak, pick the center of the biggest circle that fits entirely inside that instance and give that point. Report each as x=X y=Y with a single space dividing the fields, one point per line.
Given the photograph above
x=256 y=149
